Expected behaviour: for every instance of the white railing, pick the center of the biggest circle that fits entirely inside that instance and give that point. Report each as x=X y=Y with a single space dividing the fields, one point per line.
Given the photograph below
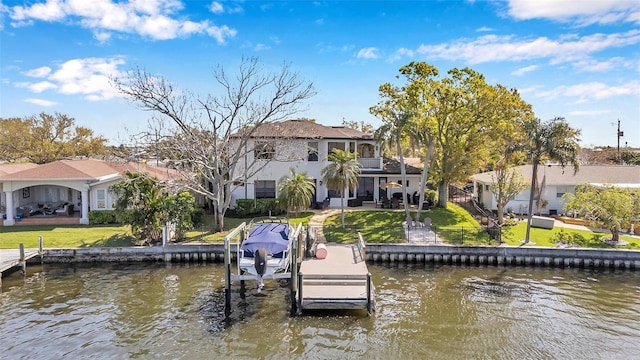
x=371 y=163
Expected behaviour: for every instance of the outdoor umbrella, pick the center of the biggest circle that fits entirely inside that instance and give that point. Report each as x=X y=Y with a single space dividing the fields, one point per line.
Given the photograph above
x=390 y=185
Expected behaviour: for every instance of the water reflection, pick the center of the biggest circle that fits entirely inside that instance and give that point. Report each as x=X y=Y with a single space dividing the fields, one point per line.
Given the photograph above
x=177 y=311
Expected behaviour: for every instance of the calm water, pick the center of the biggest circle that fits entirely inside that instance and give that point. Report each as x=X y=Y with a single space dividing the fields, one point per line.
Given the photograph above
x=174 y=312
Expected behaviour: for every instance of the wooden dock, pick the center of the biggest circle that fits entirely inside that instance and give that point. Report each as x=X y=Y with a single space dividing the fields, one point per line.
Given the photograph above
x=340 y=281
x=10 y=259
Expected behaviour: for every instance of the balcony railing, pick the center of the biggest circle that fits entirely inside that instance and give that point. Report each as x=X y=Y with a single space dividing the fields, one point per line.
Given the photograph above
x=371 y=163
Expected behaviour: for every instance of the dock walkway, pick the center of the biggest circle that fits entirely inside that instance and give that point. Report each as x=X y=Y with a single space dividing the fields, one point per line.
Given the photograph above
x=10 y=259
x=340 y=281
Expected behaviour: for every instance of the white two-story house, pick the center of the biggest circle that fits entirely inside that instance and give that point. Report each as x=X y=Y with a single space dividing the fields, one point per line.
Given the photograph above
x=305 y=146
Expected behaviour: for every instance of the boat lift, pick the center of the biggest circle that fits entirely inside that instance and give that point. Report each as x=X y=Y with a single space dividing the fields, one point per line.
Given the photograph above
x=276 y=268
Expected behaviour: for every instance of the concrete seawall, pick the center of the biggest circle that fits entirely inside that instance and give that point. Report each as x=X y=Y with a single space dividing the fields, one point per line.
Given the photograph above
x=504 y=256
x=378 y=253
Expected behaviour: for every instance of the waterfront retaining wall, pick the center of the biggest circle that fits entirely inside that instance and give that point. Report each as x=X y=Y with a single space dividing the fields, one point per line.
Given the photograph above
x=378 y=253
x=504 y=256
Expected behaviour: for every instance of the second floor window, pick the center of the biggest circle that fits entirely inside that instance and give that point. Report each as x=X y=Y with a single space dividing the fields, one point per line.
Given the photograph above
x=264 y=151
x=334 y=145
x=312 y=148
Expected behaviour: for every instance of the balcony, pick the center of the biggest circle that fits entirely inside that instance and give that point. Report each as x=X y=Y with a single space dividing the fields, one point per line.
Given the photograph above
x=371 y=163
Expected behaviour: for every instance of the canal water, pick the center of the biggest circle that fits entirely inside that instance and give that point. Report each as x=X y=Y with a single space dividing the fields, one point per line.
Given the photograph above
x=168 y=311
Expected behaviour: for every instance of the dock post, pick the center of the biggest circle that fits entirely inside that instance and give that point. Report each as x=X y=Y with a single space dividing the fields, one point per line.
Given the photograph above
x=293 y=282
x=369 y=307
x=40 y=248
x=23 y=263
x=227 y=273
x=300 y=293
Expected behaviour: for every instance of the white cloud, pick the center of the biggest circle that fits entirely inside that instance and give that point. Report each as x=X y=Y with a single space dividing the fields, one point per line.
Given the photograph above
x=524 y=70
x=484 y=29
x=592 y=91
x=261 y=47
x=490 y=48
x=41 y=102
x=39 y=72
x=401 y=53
x=589 y=112
x=368 y=53
x=216 y=8
x=319 y=21
x=275 y=39
x=89 y=77
x=581 y=12
x=155 y=19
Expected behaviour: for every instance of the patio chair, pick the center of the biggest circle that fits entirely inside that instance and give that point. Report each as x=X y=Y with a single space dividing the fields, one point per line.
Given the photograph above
x=63 y=210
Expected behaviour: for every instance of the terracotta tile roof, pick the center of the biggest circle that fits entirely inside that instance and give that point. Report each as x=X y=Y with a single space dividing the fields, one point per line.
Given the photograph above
x=305 y=129
x=87 y=169
x=556 y=175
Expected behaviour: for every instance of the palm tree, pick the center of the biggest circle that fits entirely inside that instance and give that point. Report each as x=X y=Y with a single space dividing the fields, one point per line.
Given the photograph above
x=295 y=191
x=553 y=140
x=342 y=173
x=395 y=128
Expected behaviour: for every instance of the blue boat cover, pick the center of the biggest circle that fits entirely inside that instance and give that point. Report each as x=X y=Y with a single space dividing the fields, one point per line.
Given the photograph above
x=274 y=237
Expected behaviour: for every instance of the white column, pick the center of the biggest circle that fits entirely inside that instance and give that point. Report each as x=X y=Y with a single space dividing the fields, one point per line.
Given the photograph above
x=84 y=198
x=8 y=195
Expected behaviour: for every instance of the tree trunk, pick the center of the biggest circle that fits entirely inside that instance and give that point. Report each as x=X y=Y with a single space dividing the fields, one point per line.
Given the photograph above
x=615 y=236
x=423 y=179
x=532 y=193
x=403 y=172
x=219 y=219
x=443 y=194
x=342 y=207
x=500 y=214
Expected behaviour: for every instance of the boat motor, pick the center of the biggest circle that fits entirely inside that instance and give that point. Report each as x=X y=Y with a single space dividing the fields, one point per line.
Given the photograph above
x=260 y=263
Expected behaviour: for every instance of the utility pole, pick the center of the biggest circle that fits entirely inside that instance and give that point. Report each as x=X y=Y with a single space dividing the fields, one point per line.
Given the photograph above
x=620 y=134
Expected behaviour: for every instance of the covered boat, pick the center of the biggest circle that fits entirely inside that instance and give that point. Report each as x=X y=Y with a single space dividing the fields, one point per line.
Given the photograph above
x=266 y=249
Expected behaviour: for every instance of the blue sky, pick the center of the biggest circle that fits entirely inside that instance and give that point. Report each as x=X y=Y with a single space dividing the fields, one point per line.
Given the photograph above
x=579 y=59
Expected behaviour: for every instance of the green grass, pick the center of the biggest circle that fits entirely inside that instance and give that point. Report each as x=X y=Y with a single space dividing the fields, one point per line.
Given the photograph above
x=453 y=224
x=72 y=236
x=204 y=234
x=65 y=236
x=512 y=235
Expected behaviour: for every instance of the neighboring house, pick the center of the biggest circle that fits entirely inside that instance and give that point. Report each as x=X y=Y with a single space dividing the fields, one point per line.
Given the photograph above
x=81 y=183
x=557 y=182
x=305 y=145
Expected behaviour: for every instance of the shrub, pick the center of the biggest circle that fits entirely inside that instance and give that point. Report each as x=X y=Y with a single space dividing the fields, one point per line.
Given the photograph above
x=510 y=222
x=257 y=207
x=102 y=217
x=430 y=197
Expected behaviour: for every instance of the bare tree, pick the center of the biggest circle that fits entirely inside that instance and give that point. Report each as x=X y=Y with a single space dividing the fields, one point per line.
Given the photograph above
x=507 y=184
x=209 y=138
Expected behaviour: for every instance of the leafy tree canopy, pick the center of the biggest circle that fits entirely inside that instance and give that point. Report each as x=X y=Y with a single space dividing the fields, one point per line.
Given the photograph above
x=609 y=206
x=45 y=138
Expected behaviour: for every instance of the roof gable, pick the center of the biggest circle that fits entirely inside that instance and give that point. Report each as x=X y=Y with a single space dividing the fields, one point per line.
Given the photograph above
x=557 y=175
x=87 y=169
x=305 y=129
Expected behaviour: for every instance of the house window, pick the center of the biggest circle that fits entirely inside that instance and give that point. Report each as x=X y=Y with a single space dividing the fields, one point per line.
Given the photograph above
x=265 y=189
x=101 y=199
x=334 y=145
x=264 y=151
x=486 y=187
x=312 y=148
x=561 y=190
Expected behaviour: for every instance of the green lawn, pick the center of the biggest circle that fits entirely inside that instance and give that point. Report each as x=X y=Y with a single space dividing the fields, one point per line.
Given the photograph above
x=203 y=233
x=71 y=236
x=65 y=236
x=453 y=224
x=513 y=235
